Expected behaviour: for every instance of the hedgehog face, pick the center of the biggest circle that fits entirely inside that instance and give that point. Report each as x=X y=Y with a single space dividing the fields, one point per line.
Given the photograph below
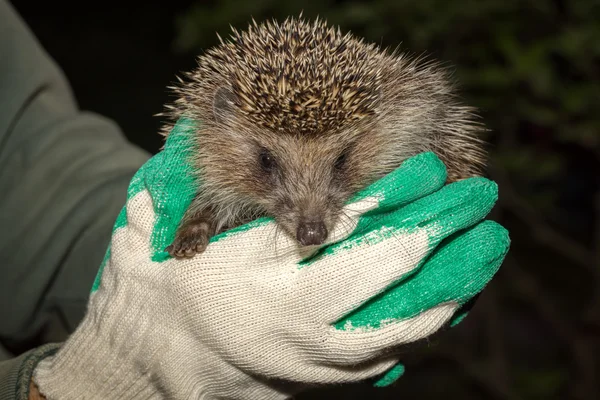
x=301 y=180
x=304 y=183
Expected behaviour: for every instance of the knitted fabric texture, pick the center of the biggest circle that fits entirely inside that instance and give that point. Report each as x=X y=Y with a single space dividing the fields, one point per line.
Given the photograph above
x=256 y=317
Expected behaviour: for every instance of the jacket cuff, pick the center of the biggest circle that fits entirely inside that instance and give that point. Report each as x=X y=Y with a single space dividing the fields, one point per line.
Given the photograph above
x=16 y=373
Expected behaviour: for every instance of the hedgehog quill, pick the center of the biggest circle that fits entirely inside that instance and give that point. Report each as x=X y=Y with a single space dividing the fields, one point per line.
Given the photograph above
x=296 y=117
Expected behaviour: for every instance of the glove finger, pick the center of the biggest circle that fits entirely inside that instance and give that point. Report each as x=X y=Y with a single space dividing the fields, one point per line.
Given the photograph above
x=390 y=376
x=456 y=271
x=416 y=177
x=361 y=344
x=397 y=371
x=349 y=273
x=357 y=373
x=324 y=372
x=338 y=283
x=457 y=206
x=500 y=237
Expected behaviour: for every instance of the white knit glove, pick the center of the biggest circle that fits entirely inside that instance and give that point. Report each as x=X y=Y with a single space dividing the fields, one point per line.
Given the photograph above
x=253 y=317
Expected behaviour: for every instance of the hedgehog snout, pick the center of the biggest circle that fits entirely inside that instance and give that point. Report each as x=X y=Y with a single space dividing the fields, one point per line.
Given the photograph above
x=310 y=233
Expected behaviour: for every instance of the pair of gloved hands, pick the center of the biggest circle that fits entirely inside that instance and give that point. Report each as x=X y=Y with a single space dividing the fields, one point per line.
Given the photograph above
x=253 y=317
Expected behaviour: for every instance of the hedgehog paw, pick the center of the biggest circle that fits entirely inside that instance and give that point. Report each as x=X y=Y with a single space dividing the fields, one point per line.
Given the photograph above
x=190 y=240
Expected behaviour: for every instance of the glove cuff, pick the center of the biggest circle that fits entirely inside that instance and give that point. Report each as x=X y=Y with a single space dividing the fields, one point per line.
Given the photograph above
x=95 y=364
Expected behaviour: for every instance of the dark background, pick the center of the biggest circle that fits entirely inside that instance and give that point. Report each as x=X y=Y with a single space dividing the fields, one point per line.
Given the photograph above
x=531 y=66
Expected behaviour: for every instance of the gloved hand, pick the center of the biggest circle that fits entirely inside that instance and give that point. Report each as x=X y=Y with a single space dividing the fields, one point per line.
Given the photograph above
x=255 y=317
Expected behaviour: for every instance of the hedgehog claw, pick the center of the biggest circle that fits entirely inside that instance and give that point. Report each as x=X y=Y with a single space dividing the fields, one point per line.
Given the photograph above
x=190 y=240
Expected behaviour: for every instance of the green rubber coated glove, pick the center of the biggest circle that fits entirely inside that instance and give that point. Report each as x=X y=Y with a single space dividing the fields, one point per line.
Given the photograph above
x=257 y=317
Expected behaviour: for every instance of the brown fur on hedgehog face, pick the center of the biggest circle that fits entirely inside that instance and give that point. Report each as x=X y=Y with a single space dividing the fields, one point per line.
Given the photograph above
x=296 y=117
x=298 y=179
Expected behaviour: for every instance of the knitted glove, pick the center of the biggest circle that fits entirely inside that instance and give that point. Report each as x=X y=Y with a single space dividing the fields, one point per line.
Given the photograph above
x=256 y=317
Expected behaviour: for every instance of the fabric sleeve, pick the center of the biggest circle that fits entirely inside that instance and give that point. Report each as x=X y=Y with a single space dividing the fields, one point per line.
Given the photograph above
x=63 y=180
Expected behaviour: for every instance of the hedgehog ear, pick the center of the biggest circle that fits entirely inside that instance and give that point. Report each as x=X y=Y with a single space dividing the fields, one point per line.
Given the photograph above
x=223 y=104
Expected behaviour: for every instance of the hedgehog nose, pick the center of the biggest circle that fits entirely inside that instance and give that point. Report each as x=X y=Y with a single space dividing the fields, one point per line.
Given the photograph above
x=311 y=233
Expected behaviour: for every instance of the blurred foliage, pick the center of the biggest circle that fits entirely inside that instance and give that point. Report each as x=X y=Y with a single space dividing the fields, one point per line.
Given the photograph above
x=531 y=66
x=541 y=384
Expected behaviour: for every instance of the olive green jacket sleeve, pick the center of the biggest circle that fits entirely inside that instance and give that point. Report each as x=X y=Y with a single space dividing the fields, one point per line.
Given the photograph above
x=63 y=180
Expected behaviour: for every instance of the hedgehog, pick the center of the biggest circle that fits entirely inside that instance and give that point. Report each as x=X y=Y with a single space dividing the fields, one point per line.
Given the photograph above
x=295 y=117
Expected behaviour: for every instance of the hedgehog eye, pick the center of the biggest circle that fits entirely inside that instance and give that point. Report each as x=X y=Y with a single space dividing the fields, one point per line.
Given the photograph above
x=267 y=161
